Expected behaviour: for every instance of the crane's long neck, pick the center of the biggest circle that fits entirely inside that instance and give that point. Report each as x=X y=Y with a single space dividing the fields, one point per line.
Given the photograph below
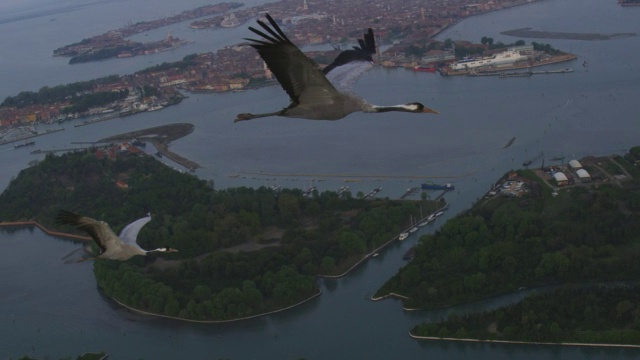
x=401 y=107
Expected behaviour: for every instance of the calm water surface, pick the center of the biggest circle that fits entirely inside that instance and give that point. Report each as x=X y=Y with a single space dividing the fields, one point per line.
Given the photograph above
x=47 y=307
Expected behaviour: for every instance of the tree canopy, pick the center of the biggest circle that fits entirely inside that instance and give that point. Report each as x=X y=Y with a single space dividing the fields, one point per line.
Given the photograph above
x=242 y=251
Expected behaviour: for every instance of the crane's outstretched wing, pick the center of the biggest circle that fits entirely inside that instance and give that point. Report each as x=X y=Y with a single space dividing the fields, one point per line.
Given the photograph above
x=295 y=72
x=349 y=65
x=99 y=231
x=130 y=232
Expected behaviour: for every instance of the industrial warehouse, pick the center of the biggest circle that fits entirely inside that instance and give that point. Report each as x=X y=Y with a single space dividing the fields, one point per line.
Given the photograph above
x=590 y=171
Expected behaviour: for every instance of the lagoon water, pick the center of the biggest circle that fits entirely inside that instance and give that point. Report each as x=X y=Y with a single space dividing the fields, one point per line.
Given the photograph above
x=49 y=308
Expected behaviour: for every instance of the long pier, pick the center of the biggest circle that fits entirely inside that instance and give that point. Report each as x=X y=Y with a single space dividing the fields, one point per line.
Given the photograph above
x=502 y=74
x=47 y=132
x=44 y=229
x=409 y=192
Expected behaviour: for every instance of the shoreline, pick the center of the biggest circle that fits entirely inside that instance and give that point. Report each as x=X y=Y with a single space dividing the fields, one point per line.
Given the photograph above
x=515 y=342
x=381 y=247
x=147 y=313
x=367 y=256
x=32 y=223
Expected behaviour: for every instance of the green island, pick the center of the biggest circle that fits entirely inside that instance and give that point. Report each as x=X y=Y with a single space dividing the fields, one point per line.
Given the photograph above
x=577 y=245
x=86 y=356
x=243 y=252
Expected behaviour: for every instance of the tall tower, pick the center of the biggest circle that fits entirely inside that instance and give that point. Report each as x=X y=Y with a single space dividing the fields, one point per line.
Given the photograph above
x=305 y=6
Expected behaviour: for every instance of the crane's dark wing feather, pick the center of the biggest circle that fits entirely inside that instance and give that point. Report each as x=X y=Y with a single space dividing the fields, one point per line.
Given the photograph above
x=99 y=231
x=292 y=68
x=363 y=53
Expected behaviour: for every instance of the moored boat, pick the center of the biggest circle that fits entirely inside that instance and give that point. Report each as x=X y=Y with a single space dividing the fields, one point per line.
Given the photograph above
x=428 y=186
x=430 y=69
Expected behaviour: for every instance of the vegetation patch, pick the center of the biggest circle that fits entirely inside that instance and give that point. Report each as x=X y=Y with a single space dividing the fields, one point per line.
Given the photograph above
x=582 y=234
x=321 y=234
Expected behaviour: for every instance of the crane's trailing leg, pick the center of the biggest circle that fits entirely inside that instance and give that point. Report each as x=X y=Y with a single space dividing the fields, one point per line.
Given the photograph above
x=248 y=116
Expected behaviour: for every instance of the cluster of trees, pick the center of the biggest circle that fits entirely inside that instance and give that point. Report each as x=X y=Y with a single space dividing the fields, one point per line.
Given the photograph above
x=502 y=244
x=463 y=50
x=633 y=156
x=82 y=103
x=186 y=62
x=487 y=43
x=602 y=315
x=85 y=356
x=547 y=48
x=60 y=93
x=104 y=53
x=201 y=291
x=320 y=235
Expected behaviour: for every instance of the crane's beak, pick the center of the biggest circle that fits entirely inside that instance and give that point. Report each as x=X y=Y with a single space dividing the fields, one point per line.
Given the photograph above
x=427 y=110
x=171 y=250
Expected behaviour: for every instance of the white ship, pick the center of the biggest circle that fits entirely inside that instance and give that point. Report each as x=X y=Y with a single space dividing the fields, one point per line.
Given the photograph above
x=507 y=57
x=230 y=21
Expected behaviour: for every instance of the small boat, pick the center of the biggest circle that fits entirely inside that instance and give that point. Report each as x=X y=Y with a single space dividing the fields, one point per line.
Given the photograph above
x=413 y=229
x=375 y=254
x=430 y=69
x=403 y=236
x=429 y=186
x=439 y=213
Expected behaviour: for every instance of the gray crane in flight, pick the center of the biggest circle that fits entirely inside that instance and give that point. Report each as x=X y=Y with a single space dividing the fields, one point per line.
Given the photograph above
x=318 y=94
x=111 y=246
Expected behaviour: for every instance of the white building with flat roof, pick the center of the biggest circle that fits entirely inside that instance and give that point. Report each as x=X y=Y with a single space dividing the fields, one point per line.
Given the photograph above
x=583 y=175
x=561 y=178
x=575 y=164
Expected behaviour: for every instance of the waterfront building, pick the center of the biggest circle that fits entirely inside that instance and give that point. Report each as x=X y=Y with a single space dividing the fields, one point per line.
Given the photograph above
x=505 y=58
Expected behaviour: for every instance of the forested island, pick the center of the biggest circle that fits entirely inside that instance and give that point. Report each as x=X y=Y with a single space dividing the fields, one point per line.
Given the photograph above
x=595 y=315
x=582 y=234
x=242 y=251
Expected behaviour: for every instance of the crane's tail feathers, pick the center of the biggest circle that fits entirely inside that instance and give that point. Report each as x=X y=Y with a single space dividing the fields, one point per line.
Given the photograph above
x=65 y=217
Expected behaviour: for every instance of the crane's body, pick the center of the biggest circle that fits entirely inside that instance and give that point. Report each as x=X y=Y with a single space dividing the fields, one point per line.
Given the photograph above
x=318 y=94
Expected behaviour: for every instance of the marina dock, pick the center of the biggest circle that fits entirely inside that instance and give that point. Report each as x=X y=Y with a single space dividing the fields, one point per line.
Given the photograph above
x=30 y=136
x=372 y=192
x=409 y=192
x=502 y=74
